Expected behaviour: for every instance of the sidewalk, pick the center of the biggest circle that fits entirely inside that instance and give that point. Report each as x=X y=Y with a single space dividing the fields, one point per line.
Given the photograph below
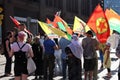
x=101 y=74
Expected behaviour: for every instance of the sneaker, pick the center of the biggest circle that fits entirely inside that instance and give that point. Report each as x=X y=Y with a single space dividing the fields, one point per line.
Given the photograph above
x=109 y=75
x=40 y=77
x=101 y=67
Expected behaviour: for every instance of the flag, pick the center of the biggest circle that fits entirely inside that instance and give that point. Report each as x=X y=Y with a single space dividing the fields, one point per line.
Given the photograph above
x=15 y=21
x=58 y=32
x=87 y=28
x=113 y=20
x=55 y=21
x=61 y=26
x=98 y=23
x=58 y=13
x=17 y=24
x=45 y=28
x=48 y=21
x=68 y=29
x=78 y=25
x=113 y=11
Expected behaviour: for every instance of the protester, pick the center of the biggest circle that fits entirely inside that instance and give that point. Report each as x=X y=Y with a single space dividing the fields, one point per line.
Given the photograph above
x=21 y=50
x=6 y=53
x=101 y=52
x=113 y=39
x=57 y=54
x=95 y=71
x=74 y=52
x=62 y=45
x=107 y=60
x=38 y=53
x=118 y=55
x=90 y=46
x=49 y=58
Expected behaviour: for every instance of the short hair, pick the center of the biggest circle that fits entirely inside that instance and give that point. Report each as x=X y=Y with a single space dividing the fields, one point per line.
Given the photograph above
x=90 y=33
x=22 y=34
x=9 y=33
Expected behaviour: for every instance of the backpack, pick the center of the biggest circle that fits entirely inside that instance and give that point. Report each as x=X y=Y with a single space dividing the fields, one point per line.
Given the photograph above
x=89 y=50
x=20 y=55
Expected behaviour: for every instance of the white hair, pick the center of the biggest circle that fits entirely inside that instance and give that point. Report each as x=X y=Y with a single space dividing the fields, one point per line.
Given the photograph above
x=22 y=34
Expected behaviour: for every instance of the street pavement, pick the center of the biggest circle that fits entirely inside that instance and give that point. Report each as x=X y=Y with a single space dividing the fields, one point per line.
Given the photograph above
x=101 y=72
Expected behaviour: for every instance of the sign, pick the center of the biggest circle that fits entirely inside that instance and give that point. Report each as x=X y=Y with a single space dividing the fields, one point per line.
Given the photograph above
x=1 y=21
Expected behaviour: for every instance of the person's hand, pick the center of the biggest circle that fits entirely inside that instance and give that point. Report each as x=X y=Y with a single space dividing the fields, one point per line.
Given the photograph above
x=70 y=55
x=117 y=54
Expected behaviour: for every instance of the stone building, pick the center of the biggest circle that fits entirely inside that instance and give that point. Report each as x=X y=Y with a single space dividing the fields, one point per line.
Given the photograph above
x=29 y=11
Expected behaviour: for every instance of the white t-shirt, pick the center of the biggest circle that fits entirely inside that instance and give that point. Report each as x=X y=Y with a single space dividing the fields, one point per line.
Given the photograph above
x=27 y=47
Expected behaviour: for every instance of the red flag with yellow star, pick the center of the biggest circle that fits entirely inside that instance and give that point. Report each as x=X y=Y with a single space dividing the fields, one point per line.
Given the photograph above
x=99 y=24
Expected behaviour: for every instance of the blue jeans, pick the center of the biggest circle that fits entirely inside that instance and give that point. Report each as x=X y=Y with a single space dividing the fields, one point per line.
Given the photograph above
x=64 y=68
x=101 y=55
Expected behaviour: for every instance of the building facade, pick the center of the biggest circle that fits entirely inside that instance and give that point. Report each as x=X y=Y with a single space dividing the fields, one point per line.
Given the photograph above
x=115 y=5
x=29 y=11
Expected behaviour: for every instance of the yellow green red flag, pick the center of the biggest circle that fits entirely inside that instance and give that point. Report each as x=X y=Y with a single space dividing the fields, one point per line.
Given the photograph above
x=45 y=28
x=78 y=25
x=113 y=20
x=58 y=32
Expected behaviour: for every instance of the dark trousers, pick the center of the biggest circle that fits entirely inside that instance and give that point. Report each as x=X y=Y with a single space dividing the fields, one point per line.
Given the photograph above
x=74 y=68
x=118 y=75
x=49 y=64
x=8 y=64
x=64 y=68
x=39 y=68
x=119 y=72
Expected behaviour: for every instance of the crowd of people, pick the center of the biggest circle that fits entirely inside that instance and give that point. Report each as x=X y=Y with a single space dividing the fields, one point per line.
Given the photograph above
x=41 y=49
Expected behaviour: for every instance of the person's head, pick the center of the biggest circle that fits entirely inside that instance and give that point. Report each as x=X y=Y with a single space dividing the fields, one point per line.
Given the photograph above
x=22 y=36
x=46 y=37
x=9 y=34
x=108 y=45
x=22 y=27
x=36 y=39
x=89 y=33
x=74 y=37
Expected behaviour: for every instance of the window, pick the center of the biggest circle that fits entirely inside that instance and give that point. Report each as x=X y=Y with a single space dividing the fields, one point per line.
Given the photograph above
x=72 y=6
x=34 y=0
x=85 y=7
x=54 y=3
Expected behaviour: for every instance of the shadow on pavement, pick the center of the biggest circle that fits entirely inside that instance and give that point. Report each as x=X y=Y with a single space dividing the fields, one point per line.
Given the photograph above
x=2 y=76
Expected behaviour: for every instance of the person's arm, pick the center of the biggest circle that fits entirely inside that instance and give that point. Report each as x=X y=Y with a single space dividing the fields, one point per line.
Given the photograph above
x=68 y=52
x=108 y=55
x=118 y=50
x=7 y=45
x=96 y=45
x=56 y=47
x=30 y=52
x=11 y=52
